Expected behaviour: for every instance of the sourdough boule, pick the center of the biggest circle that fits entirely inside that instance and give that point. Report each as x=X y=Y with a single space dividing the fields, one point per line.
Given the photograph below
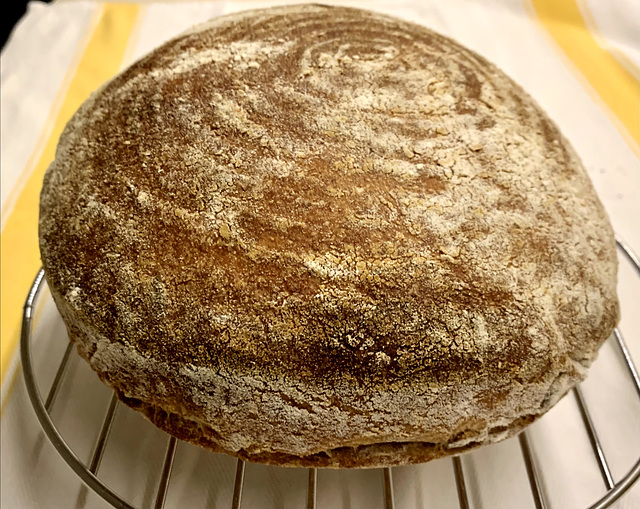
x=320 y=236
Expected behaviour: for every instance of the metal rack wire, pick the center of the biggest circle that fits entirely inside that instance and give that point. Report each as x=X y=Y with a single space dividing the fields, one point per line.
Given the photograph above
x=88 y=473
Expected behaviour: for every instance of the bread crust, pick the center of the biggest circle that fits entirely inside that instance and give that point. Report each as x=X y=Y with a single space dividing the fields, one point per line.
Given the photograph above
x=319 y=236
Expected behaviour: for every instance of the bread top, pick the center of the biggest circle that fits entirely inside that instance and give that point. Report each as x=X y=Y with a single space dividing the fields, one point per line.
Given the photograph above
x=331 y=195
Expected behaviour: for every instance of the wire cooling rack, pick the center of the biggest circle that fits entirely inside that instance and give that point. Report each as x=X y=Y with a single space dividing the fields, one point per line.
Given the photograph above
x=88 y=473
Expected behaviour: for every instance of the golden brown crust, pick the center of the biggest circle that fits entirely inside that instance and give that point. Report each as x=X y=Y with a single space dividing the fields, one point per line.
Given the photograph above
x=342 y=228
x=180 y=424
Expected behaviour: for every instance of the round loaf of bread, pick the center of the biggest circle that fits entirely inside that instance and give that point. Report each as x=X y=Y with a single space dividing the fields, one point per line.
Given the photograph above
x=320 y=236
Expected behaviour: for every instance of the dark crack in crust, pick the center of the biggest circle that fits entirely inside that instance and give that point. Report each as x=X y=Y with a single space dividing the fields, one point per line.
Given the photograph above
x=320 y=227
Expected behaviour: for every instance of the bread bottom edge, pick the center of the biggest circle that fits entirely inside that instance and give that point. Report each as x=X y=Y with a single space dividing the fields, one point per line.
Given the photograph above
x=376 y=455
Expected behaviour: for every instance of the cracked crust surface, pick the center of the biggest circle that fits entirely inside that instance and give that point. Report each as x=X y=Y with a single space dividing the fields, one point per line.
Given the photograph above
x=316 y=232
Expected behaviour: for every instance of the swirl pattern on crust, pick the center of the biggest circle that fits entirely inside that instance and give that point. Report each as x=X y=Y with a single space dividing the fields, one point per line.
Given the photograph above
x=310 y=229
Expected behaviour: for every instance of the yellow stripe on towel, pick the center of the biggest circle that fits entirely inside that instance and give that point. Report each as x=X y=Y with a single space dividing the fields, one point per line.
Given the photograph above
x=613 y=84
x=19 y=256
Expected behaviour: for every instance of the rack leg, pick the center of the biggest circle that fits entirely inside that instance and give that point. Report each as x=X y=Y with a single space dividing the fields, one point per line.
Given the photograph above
x=237 y=487
x=388 y=488
x=532 y=472
x=55 y=386
x=98 y=449
x=163 y=485
x=460 y=483
x=312 y=488
x=593 y=438
x=627 y=357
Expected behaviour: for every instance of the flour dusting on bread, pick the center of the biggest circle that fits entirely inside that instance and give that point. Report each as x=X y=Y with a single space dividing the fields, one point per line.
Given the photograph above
x=323 y=236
